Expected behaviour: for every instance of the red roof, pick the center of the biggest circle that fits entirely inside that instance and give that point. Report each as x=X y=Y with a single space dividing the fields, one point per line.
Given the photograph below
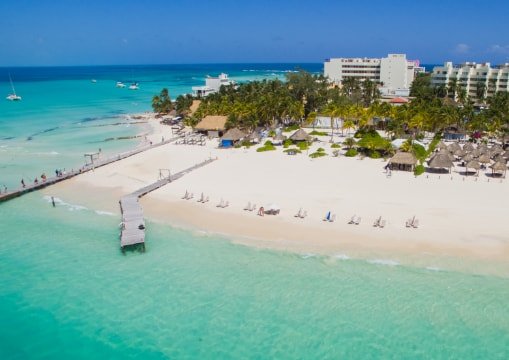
x=398 y=100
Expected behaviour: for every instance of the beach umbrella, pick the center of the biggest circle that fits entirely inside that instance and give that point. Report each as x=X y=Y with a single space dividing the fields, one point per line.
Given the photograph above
x=446 y=152
x=476 y=153
x=441 y=145
x=496 y=151
x=484 y=159
x=300 y=135
x=453 y=147
x=499 y=167
x=473 y=164
x=233 y=134
x=468 y=147
x=468 y=157
x=460 y=152
x=441 y=161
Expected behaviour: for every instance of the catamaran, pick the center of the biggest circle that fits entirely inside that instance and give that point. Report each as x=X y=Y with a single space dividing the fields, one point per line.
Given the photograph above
x=120 y=84
x=13 y=96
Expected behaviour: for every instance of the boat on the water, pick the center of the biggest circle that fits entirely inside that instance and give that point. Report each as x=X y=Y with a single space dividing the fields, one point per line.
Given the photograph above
x=134 y=86
x=94 y=81
x=13 y=96
x=120 y=84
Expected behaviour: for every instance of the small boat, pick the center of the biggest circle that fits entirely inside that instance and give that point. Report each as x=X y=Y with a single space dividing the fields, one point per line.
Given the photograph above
x=94 y=81
x=120 y=84
x=134 y=86
x=13 y=96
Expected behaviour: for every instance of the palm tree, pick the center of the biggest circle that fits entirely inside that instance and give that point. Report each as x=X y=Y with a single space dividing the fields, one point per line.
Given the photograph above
x=480 y=91
x=452 y=88
x=349 y=142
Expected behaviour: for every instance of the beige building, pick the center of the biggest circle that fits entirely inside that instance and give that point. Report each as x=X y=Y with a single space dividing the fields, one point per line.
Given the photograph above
x=469 y=76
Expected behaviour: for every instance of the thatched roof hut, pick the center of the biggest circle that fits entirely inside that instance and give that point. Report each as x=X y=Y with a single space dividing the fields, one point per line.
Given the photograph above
x=476 y=153
x=468 y=146
x=403 y=161
x=212 y=124
x=441 y=161
x=460 y=153
x=446 y=152
x=233 y=134
x=468 y=157
x=300 y=135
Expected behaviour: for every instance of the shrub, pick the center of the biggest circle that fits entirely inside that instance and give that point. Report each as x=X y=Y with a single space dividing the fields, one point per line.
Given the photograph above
x=419 y=152
x=375 y=155
x=269 y=147
x=272 y=133
x=317 y=154
x=291 y=128
x=320 y=150
x=419 y=170
x=351 y=153
x=246 y=143
x=318 y=133
x=303 y=145
x=335 y=146
x=268 y=143
x=287 y=143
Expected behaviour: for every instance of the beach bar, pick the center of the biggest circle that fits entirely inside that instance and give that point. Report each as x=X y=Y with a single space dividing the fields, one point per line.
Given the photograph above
x=212 y=125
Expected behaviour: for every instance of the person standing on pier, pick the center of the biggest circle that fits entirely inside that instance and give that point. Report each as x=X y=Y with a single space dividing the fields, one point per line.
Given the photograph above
x=23 y=183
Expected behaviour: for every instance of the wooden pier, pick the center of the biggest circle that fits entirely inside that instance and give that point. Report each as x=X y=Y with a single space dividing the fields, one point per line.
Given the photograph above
x=132 y=233
x=67 y=175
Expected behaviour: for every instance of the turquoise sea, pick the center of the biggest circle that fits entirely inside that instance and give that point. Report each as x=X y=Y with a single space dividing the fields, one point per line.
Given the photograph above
x=67 y=292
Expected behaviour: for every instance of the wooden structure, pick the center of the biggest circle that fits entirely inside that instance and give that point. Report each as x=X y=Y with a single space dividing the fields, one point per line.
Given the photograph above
x=132 y=233
x=212 y=125
x=403 y=161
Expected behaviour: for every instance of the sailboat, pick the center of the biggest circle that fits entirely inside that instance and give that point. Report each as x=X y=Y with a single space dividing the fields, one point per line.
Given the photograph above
x=13 y=96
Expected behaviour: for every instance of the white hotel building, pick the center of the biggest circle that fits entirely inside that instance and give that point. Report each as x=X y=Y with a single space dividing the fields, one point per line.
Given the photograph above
x=394 y=73
x=469 y=74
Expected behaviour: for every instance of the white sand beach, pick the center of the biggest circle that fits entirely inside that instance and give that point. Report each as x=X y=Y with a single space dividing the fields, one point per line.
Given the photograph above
x=458 y=216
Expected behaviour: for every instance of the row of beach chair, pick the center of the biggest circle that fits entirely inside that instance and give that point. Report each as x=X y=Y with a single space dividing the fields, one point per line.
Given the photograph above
x=250 y=207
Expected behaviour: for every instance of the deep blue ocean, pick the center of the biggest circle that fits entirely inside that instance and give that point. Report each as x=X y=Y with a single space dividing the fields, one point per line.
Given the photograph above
x=67 y=292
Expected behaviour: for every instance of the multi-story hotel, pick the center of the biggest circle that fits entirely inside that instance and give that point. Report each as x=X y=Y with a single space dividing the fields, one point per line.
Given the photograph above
x=470 y=75
x=394 y=73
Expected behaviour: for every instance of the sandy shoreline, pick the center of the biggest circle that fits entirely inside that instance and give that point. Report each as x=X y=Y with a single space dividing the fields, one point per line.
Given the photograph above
x=460 y=218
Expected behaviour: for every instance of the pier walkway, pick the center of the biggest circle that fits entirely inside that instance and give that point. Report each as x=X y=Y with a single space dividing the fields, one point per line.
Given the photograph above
x=89 y=167
x=133 y=224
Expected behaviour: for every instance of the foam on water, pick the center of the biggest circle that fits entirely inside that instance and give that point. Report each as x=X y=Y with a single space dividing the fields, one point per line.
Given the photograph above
x=387 y=262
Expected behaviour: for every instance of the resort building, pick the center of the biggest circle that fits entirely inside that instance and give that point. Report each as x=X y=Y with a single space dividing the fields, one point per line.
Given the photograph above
x=478 y=80
x=212 y=85
x=394 y=73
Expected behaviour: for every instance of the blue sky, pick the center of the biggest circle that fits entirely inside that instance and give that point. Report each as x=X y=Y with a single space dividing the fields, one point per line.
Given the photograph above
x=76 y=32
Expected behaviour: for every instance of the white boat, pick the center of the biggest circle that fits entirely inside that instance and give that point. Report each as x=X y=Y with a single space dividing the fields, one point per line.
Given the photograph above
x=13 y=96
x=134 y=86
x=94 y=81
x=120 y=84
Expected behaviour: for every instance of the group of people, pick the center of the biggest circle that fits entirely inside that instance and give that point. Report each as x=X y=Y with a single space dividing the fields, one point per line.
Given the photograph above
x=36 y=180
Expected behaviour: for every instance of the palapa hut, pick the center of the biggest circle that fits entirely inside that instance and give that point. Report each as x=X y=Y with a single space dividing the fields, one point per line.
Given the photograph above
x=460 y=153
x=499 y=168
x=212 y=125
x=476 y=153
x=453 y=147
x=403 y=161
x=441 y=160
x=472 y=164
x=468 y=146
x=468 y=157
x=231 y=137
x=278 y=139
x=300 y=135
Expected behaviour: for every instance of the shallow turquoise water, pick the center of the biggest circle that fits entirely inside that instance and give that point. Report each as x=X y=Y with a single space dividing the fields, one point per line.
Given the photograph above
x=68 y=292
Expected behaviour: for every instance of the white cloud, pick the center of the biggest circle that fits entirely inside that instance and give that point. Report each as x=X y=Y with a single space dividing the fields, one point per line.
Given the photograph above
x=499 y=49
x=461 y=48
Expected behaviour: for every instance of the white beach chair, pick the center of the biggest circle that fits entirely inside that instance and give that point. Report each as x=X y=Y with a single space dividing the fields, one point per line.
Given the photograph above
x=304 y=214
x=191 y=195
x=221 y=203
x=253 y=207
x=327 y=216
x=202 y=198
x=415 y=224
x=299 y=213
x=352 y=219
x=382 y=224
x=332 y=218
x=358 y=221
x=226 y=204
x=206 y=199
x=248 y=206
x=185 y=195
x=377 y=222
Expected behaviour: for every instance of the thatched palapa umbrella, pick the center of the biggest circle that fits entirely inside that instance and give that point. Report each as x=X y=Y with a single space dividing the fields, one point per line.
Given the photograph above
x=472 y=164
x=476 y=153
x=446 y=152
x=499 y=167
x=484 y=159
x=468 y=147
x=441 y=161
x=453 y=147
x=468 y=157
x=460 y=153
x=300 y=135
x=233 y=134
x=441 y=145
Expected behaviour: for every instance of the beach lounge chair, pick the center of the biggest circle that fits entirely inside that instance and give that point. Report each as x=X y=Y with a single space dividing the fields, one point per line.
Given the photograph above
x=332 y=218
x=202 y=198
x=191 y=195
x=304 y=214
x=299 y=213
x=221 y=204
x=352 y=220
x=410 y=222
x=206 y=199
x=185 y=195
x=327 y=217
x=382 y=224
x=253 y=207
x=358 y=221
x=377 y=222
x=226 y=204
x=248 y=206
x=415 y=224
